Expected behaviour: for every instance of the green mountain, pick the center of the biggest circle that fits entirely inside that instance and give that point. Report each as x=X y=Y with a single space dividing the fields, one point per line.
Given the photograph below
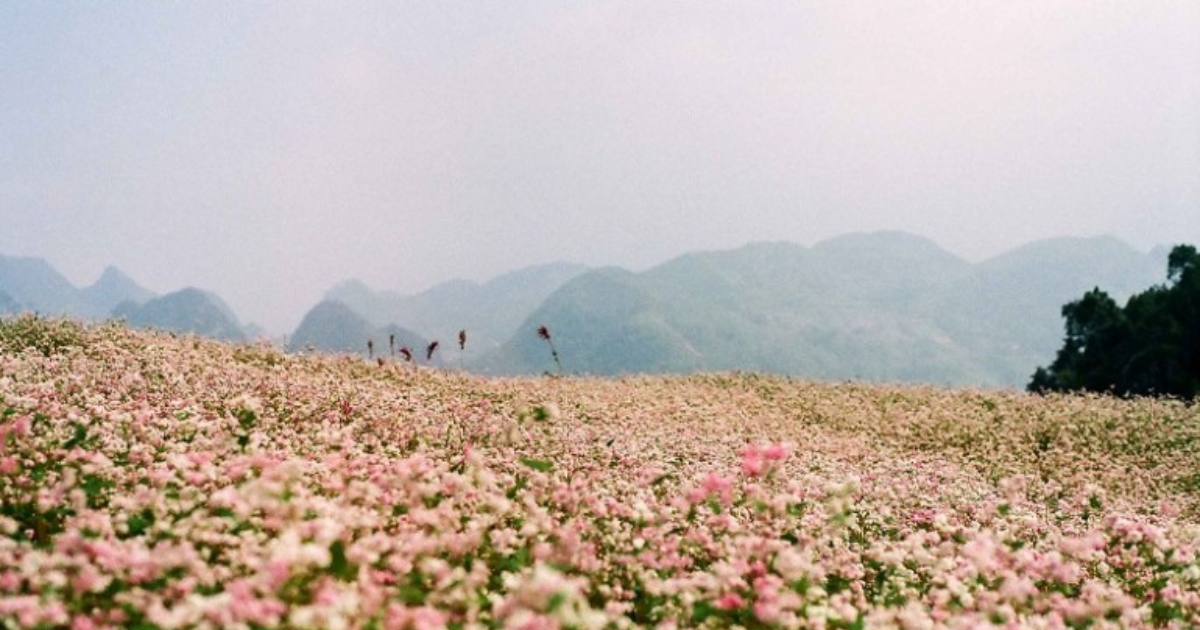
x=1008 y=311
x=331 y=326
x=186 y=311
x=885 y=306
x=490 y=312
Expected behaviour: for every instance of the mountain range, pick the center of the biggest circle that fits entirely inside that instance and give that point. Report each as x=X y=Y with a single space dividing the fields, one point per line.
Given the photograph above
x=188 y=310
x=884 y=306
x=332 y=326
x=491 y=311
x=32 y=285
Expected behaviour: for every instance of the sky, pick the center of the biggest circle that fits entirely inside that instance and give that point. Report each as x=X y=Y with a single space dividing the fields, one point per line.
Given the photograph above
x=268 y=150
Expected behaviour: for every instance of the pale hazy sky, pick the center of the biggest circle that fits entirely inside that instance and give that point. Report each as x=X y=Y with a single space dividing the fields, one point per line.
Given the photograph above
x=268 y=150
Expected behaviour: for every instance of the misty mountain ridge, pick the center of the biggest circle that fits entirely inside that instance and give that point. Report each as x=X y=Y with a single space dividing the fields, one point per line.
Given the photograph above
x=188 y=310
x=33 y=285
x=882 y=306
x=490 y=311
x=37 y=286
x=113 y=288
x=332 y=326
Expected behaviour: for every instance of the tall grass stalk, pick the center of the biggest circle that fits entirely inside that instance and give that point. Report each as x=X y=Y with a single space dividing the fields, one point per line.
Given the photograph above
x=544 y=334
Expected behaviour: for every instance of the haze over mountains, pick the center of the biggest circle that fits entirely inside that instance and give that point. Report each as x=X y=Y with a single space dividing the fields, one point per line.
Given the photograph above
x=881 y=306
x=491 y=311
x=31 y=284
x=332 y=326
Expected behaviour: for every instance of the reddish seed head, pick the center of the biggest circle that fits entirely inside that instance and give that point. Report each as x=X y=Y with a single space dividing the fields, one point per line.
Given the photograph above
x=462 y=339
x=406 y=353
x=430 y=349
x=544 y=333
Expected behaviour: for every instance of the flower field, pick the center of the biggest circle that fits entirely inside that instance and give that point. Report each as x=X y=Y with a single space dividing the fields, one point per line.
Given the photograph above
x=151 y=481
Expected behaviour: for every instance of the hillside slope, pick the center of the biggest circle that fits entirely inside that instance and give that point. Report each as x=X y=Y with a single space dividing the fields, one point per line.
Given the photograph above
x=882 y=307
x=189 y=310
x=331 y=326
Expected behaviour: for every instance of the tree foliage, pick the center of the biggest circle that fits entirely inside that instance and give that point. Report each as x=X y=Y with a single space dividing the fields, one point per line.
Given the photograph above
x=1149 y=347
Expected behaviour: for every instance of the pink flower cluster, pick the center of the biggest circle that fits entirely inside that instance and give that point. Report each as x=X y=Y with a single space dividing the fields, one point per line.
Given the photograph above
x=759 y=461
x=156 y=481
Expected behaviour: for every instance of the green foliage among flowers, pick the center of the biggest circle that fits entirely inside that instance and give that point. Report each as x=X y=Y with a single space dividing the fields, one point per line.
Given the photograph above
x=154 y=481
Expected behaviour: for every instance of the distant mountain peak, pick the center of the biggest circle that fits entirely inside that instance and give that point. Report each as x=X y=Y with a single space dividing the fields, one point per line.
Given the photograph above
x=332 y=326
x=491 y=310
x=890 y=239
x=114 y=279
x=113 y=275
x=349 y=285
x=114 y=288
x=188 y=310
x=36 y=285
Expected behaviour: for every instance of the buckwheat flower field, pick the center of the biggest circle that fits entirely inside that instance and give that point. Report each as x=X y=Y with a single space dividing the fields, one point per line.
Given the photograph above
x=151 y=481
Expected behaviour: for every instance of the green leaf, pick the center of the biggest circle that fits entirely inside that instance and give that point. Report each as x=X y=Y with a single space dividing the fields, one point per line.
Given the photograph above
x=414 y=590
x=339 y=566
x=77 y=439
x=246 y=418
x=538 y=464
x=139 y=523
x=702 y=611
x=517 y=487
x=94 y=487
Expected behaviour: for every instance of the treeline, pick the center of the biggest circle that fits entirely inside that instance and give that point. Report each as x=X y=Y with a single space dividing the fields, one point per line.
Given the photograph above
x=1149 y=347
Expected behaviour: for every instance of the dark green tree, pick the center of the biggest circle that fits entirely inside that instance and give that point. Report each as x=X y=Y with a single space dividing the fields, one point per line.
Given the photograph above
x=1150 y=347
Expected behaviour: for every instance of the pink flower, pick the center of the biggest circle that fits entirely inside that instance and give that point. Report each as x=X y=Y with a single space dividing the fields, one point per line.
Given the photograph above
x=426 y=618
x=9 y=465
x=753 y=466
x=246 y=606
x=759 y=461
x=400 y=617
x=396 y=617
x=83 y=622
x=88 y=579
x=776 y=452
x=767 y=611
x=712 y=484
x=10 y=581
x=326 y=594
x=730 y=601
x=278 y=572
